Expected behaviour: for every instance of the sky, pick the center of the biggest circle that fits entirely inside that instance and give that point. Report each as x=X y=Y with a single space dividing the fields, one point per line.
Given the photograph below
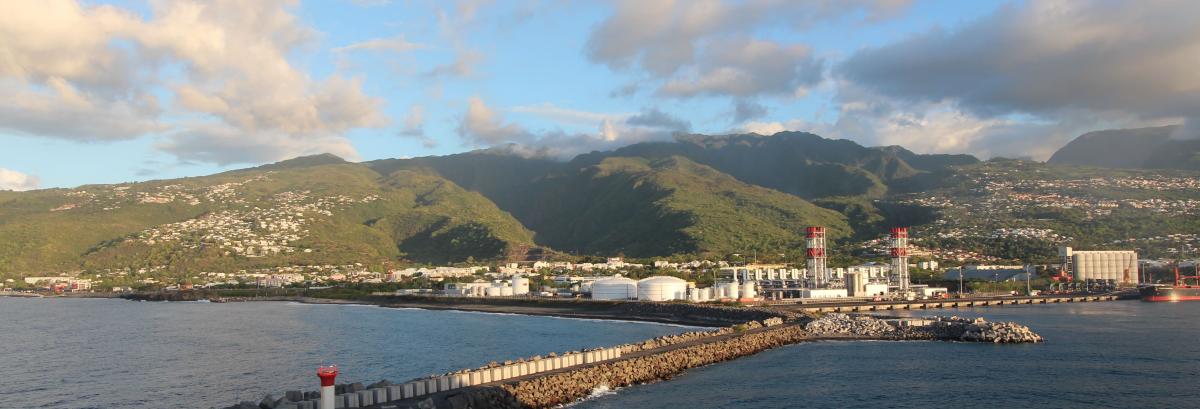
x=110 y=92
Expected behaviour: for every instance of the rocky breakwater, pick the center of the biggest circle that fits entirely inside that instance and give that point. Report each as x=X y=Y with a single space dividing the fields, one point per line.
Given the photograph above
x=932 y=328
x=562 y=388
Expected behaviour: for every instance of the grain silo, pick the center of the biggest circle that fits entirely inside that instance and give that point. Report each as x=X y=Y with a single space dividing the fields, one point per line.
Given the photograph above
x=1119 y=266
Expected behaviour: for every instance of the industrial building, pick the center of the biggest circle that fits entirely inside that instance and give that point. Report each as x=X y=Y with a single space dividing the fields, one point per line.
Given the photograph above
x=517 y=285
x=994 y=273
x=1119 y=267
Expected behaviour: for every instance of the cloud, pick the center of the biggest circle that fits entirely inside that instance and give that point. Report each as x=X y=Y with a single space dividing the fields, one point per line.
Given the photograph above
x=95 y=73
x=414 y=127
x=654 y=118
x=464 y=65
x=705 y=47
x=225 y=145
x=565 y=115
x=1117 y=61
x=13 y=180
x=482 y=125
x=395 y=44
x=939 y=128
x=746 y=67
x=745 y=110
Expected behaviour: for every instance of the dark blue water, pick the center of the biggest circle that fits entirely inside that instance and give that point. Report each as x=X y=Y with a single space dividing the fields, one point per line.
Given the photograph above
x=77 y=353
x=1125 y=354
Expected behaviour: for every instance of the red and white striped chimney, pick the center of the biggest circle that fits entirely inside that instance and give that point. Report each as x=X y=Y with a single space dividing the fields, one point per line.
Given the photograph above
x=814 y=240
x=899 y=252
x=327 y=375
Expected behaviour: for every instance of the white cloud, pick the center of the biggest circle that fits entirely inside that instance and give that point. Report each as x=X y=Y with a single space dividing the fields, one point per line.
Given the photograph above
x=706 y=47
x=92 y=73
x=571 y=116
x=482 y=125
x=1071 y=66
x=225 y=145
x=13 y=180
x=745 y=68
x=395 y=44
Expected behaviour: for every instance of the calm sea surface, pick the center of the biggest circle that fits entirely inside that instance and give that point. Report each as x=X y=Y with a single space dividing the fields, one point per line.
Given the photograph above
x=98 y=353
x=1126 y=354
x=117 y=354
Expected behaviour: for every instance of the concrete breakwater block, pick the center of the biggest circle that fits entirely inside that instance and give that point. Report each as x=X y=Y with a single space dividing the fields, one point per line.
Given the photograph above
x=395 y=392
x=366 y=398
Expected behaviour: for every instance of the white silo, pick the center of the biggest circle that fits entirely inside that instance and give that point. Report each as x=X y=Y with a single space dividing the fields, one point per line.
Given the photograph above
x=731 y=290
x=614 y=288
x=661 y=288
x=749 y=290
x=520 y=285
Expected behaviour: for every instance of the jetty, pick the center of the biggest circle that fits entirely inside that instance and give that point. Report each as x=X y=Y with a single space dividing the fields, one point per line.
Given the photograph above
x=824 y=306
x=561 y=378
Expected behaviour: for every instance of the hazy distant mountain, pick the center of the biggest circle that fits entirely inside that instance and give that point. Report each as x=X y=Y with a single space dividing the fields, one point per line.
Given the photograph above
x=1140 y=148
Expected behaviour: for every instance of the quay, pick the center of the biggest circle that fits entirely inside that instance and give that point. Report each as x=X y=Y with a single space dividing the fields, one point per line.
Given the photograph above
x=869 y=306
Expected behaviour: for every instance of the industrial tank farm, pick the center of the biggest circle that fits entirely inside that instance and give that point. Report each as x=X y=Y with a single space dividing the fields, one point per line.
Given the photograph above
x=661 y=288
x=614 y=288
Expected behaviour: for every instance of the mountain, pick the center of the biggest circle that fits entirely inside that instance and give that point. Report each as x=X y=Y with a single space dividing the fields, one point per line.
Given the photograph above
x=305 y=211
x=707 y=195
x=646 y=207
x=798 y=163
x=1140 y=148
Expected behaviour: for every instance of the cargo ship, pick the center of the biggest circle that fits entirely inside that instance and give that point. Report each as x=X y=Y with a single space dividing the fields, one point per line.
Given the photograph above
x=1181 y=291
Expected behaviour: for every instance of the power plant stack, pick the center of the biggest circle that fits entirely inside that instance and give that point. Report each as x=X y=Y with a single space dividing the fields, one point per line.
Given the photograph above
x=815 y=243
x=900 y=258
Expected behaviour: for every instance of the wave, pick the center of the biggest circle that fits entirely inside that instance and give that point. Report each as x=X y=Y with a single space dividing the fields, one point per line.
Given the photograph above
x=597 y=392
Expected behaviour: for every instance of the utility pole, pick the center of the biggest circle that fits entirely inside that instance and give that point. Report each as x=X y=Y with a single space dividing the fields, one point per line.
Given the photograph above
x=960 y=281
x=1028 y=276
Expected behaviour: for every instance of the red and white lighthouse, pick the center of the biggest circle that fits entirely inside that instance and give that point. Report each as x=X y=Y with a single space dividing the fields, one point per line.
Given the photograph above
x=899 y=244
x=327 y=375
x=814 y=241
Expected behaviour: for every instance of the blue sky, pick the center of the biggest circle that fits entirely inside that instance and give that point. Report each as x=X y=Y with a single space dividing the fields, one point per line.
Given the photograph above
x=132 y=90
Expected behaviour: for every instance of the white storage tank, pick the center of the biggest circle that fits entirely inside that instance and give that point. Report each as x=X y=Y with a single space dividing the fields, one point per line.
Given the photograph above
x=492 y=291
x=614 y=288
x=661 y=288
x=749 y=290
x=506 y=291
x=731 y=290
x=520 y=285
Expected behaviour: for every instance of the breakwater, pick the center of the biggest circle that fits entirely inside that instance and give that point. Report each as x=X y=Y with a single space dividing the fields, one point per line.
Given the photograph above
x=541 y=382
x=864 y=306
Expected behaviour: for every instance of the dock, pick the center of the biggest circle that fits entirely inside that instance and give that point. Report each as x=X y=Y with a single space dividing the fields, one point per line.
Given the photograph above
x=869 y=306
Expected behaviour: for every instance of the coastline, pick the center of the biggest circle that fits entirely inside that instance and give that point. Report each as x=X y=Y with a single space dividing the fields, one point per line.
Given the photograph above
x=682 y=314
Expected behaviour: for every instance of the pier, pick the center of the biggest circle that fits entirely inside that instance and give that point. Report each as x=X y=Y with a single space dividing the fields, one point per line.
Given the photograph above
x=869 y=306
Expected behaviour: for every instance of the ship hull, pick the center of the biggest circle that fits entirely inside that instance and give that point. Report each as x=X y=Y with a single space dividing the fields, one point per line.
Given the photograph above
x=1170 y=294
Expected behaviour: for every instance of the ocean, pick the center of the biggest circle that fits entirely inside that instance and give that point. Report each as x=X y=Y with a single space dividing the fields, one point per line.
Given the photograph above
x=110 y=353
x=104 y=353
